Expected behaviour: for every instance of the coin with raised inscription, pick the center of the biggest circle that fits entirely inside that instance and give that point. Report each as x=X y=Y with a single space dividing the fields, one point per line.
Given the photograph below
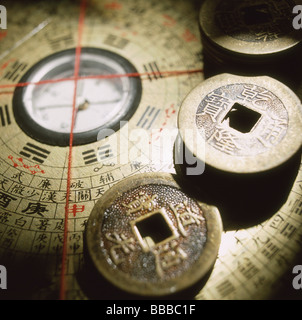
x=246 y=124
x=245 y=135
x=148 y=237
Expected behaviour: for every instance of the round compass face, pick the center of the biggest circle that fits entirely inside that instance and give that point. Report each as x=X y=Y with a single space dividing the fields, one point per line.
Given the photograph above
x=43 y=110
x=138 y=61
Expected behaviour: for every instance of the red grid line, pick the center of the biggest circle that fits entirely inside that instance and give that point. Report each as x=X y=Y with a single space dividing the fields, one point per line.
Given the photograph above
x=69 y=171
x=107 y=76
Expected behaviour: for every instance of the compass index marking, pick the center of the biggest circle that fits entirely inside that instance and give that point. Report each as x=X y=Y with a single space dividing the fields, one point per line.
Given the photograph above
x=4 y=116
x=61 y=40
x=36 y=153
x=105 y=152
x=148 y=117
x=154 y=71
x=15 y=70
x=115 y=41
x=95 y=156
x=89 y=156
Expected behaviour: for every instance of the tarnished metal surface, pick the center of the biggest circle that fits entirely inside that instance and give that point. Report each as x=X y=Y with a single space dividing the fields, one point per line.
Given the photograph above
x=267 y=133
x=247 y=134
x=251 y=38
x=150 y=238
x=257 y=29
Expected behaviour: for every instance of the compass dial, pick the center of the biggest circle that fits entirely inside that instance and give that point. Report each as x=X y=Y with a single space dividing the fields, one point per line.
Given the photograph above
x=43 y=110
x=138 y=62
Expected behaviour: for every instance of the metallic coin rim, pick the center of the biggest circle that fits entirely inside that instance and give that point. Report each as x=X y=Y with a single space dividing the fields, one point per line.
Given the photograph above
x=206 y=153
x=120 y=279
x=210 y=30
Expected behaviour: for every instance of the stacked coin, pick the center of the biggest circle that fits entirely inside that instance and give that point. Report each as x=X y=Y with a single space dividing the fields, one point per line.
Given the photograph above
x=246 y=136
x=248 y=37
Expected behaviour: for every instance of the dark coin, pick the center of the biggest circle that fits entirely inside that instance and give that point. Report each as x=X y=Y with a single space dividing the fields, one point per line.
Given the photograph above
x=148 y=237
x=251 y=38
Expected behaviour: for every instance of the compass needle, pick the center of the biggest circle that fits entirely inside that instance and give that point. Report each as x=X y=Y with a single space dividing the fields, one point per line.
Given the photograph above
x=84 y=105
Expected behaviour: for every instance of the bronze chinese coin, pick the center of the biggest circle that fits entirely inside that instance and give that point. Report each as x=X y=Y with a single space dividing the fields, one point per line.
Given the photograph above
x=251 y=37
x=148 y=237
x=244 y=134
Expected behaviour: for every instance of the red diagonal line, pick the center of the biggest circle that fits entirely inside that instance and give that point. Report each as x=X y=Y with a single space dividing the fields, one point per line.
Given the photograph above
x=7 y=92
x=25 y=84
x=107 y=76
x=69 y=173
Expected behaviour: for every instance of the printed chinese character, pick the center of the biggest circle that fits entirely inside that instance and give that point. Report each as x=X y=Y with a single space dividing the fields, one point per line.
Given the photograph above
x=104 y=179
x=43 y=224
x=76 y=209
x=5 y=200
x=45 y=184
x=3 y=182
x=35 y=208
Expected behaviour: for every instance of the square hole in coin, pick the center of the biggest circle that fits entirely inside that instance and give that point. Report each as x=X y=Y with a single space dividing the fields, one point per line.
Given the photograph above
x=242 y=118
x=153 y=229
